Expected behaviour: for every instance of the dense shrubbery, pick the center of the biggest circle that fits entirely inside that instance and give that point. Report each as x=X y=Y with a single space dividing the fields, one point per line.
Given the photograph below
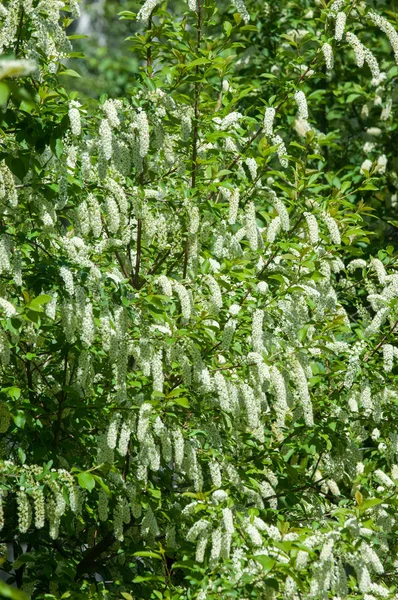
x=198 y=394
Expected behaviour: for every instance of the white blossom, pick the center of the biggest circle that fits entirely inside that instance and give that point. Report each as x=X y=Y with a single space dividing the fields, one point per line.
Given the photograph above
x=340 y=26
x=387 y=28
x=281 y=150
x=184 y=299
x=105 y=134
x=242 y=10
x=328 y=56
x=269 y=116
x=333 y=228
x=313 y=229
x=74 y=117
x=143 y=133
x=7 y=308
x=301 y=102
x=228 y=520
x=146 y=10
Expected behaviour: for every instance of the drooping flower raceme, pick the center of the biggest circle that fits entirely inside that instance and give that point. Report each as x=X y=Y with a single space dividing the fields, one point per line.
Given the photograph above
x=269 y=116
x=302 y=107
x=340 y=26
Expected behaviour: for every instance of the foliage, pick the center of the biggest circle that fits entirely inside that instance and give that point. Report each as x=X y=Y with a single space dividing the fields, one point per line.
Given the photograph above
x=198 y=394
x=99 y=37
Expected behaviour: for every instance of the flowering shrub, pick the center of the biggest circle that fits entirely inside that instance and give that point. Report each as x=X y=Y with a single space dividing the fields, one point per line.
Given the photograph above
x=197 y=343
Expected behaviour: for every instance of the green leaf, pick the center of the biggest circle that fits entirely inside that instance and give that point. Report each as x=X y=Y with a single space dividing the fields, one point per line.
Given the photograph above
x=4 y=92
x=70 y=73
x=227 y=28
x=86 y=481
x=197 y=62
x=8 y=592
x=184 y=402
x=13 y=391
x=22 y=455
x=102 y=483
x=141 y=579
x=20 y=419
x=36 y=303
x=371 y=502
x=148 y=554
x=368 y=186
x=266 y=562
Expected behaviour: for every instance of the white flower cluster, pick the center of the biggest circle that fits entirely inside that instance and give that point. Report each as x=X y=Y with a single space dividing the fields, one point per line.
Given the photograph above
x=257 y=330
x=146 y=10
x=280 y=405
x=303 y=393
x=387 y=28
x=233 y=198
x=332 y=228
x=389 y=353
x=328 y=56
x=110 y=109
x=357 y=263
x=74 y=117
x=7 y=308
x=252 y=166
x=341 y=19
x=282 y=212
x=313 y=229
x=8 y=192
x=273 y=229
x=366 y=166
x=387 y=110
x=242 y=10
x=216 y=296
x=371 y=559
x=381 y=165
x=269 y=117
x=24 y=511
x=358 y=47
x=251 y=226
x=143 y=133
x=231 y=119
x=281 y=150
x=88 y=326
x=157 y=371
x=302 y=107
x=184 y=299
x=228 y=334
x=336 y=6
x=385 y=479
x=222 y=390
x=106 y=138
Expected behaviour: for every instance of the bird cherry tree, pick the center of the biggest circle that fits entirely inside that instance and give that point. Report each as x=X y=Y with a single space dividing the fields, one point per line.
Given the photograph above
x=198 y=370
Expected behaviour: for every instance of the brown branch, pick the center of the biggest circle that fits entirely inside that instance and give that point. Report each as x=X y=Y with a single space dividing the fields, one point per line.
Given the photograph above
x=379 y=345
x=19 y=32
x=87 y=564
x=195 y=131
x=138 y=254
